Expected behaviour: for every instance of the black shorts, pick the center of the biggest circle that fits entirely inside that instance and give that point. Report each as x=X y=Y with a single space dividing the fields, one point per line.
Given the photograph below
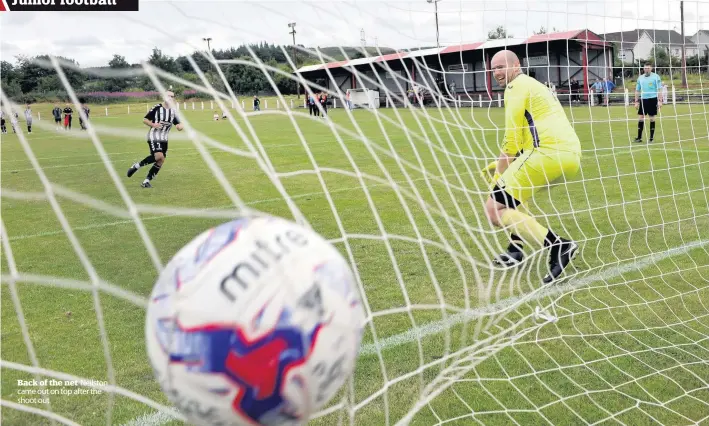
x=57 y=120
x=158 y=146
x=501 y=196
x=648 y=107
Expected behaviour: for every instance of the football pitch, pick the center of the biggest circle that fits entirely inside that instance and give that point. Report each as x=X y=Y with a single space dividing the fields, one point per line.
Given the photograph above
x=624 y=338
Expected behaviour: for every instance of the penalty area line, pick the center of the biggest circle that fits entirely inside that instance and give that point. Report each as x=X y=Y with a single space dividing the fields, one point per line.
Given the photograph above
x=439 y=326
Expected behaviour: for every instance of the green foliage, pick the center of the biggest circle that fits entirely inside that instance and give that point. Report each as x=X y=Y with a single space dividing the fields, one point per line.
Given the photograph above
x=543 y=30
x=29 y=79
x=499 y=33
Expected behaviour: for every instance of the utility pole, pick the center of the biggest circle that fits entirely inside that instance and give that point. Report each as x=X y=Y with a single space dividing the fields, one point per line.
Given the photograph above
x=684 y=40
x=208 y=39
x=291 y=25
x=435 y=5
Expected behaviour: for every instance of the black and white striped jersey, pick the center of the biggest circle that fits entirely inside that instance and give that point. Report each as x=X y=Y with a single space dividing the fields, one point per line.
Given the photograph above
x=167 y=117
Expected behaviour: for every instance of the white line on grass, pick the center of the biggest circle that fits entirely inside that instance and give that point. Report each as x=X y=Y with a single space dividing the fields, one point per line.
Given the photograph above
x=154 y=419
x=251 y=203
x=159 y=418
x=505 y=304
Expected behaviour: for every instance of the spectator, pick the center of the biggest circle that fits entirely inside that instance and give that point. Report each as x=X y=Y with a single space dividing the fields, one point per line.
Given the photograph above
x=663 y=89
x=257 y=103
x=608 y=87
x=3 y=129
x=323 y=103
x=598 y=91
x=575 y=86
x=348 y=99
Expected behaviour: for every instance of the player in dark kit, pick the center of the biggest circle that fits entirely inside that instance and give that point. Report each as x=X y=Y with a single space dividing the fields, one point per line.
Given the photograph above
x=57 y=113
x=67 y=117
x=160 y=119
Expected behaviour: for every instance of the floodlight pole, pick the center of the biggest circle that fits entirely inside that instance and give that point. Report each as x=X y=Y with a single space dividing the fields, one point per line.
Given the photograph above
x=291 y=25
x=208 y=39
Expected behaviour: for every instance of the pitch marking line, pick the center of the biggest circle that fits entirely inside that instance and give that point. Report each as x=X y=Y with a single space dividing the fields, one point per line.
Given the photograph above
x=159 y=418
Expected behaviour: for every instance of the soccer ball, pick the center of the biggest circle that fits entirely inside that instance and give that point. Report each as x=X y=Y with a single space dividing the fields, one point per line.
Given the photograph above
x=256 y=321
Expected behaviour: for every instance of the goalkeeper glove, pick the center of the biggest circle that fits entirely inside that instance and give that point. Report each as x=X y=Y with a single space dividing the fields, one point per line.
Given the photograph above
x=489 y=172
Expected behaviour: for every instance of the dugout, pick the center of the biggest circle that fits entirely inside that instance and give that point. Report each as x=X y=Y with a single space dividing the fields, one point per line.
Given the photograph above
x=463 y=71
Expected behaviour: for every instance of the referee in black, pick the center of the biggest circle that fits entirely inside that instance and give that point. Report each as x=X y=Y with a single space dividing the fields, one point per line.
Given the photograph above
x=160 y=119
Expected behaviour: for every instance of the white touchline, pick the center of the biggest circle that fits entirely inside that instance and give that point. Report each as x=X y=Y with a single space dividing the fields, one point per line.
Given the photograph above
x=159 y=418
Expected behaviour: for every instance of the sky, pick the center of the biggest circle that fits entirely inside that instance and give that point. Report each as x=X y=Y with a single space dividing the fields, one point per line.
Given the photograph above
x=178 y=27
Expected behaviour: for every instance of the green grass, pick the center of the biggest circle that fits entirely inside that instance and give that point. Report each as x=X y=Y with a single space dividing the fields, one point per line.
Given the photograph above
x=630 y=344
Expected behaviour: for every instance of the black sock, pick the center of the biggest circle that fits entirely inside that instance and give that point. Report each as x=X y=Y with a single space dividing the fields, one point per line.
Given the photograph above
x=153 y=172
x=29 y=128
x=516 y=244
x=652 y=129
x=551 y=239
x=147 y=160
x=641 y=125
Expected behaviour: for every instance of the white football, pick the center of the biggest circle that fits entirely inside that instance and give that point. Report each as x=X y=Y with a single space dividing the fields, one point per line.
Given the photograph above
x=256 y=321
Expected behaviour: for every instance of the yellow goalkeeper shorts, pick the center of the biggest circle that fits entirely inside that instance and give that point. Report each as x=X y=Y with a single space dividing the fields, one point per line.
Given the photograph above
x=537 y=169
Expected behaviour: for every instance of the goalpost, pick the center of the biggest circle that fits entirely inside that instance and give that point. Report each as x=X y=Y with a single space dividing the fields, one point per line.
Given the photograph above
x=450 y=338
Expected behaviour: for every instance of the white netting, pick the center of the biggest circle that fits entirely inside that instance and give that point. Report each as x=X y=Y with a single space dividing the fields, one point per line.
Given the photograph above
x=450 y=337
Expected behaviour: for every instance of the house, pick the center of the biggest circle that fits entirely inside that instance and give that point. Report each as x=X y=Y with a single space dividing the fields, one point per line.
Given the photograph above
x=637 y=44
x=701 y=39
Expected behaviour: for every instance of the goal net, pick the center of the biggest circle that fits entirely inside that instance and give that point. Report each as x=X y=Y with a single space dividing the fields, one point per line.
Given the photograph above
x=387 y=168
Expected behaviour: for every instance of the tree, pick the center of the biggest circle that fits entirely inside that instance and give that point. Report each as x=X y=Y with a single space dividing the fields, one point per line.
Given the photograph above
x=543 y=30
x=164 y=62
x=119 y=83
x=498 y=33
x=118 y=61
x=9 y=79
x=31 y=72
x=7 y=71
x=659 y=58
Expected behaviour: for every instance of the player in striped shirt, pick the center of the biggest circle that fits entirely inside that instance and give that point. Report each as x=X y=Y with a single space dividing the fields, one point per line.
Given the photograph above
x=86 y=111
x=160 y=119
x=13 y=120
x=28 y=118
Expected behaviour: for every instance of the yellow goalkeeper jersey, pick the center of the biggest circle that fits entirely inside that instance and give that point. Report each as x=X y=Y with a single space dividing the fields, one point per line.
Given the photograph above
x=534 y=118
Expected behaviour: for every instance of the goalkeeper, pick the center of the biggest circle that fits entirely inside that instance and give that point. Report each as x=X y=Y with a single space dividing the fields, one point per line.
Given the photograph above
x=540 y=148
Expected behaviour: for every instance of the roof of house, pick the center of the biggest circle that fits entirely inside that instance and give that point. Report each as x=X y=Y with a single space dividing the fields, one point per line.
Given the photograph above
x=657 y=36
x=580 y=35
x=702 y=32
